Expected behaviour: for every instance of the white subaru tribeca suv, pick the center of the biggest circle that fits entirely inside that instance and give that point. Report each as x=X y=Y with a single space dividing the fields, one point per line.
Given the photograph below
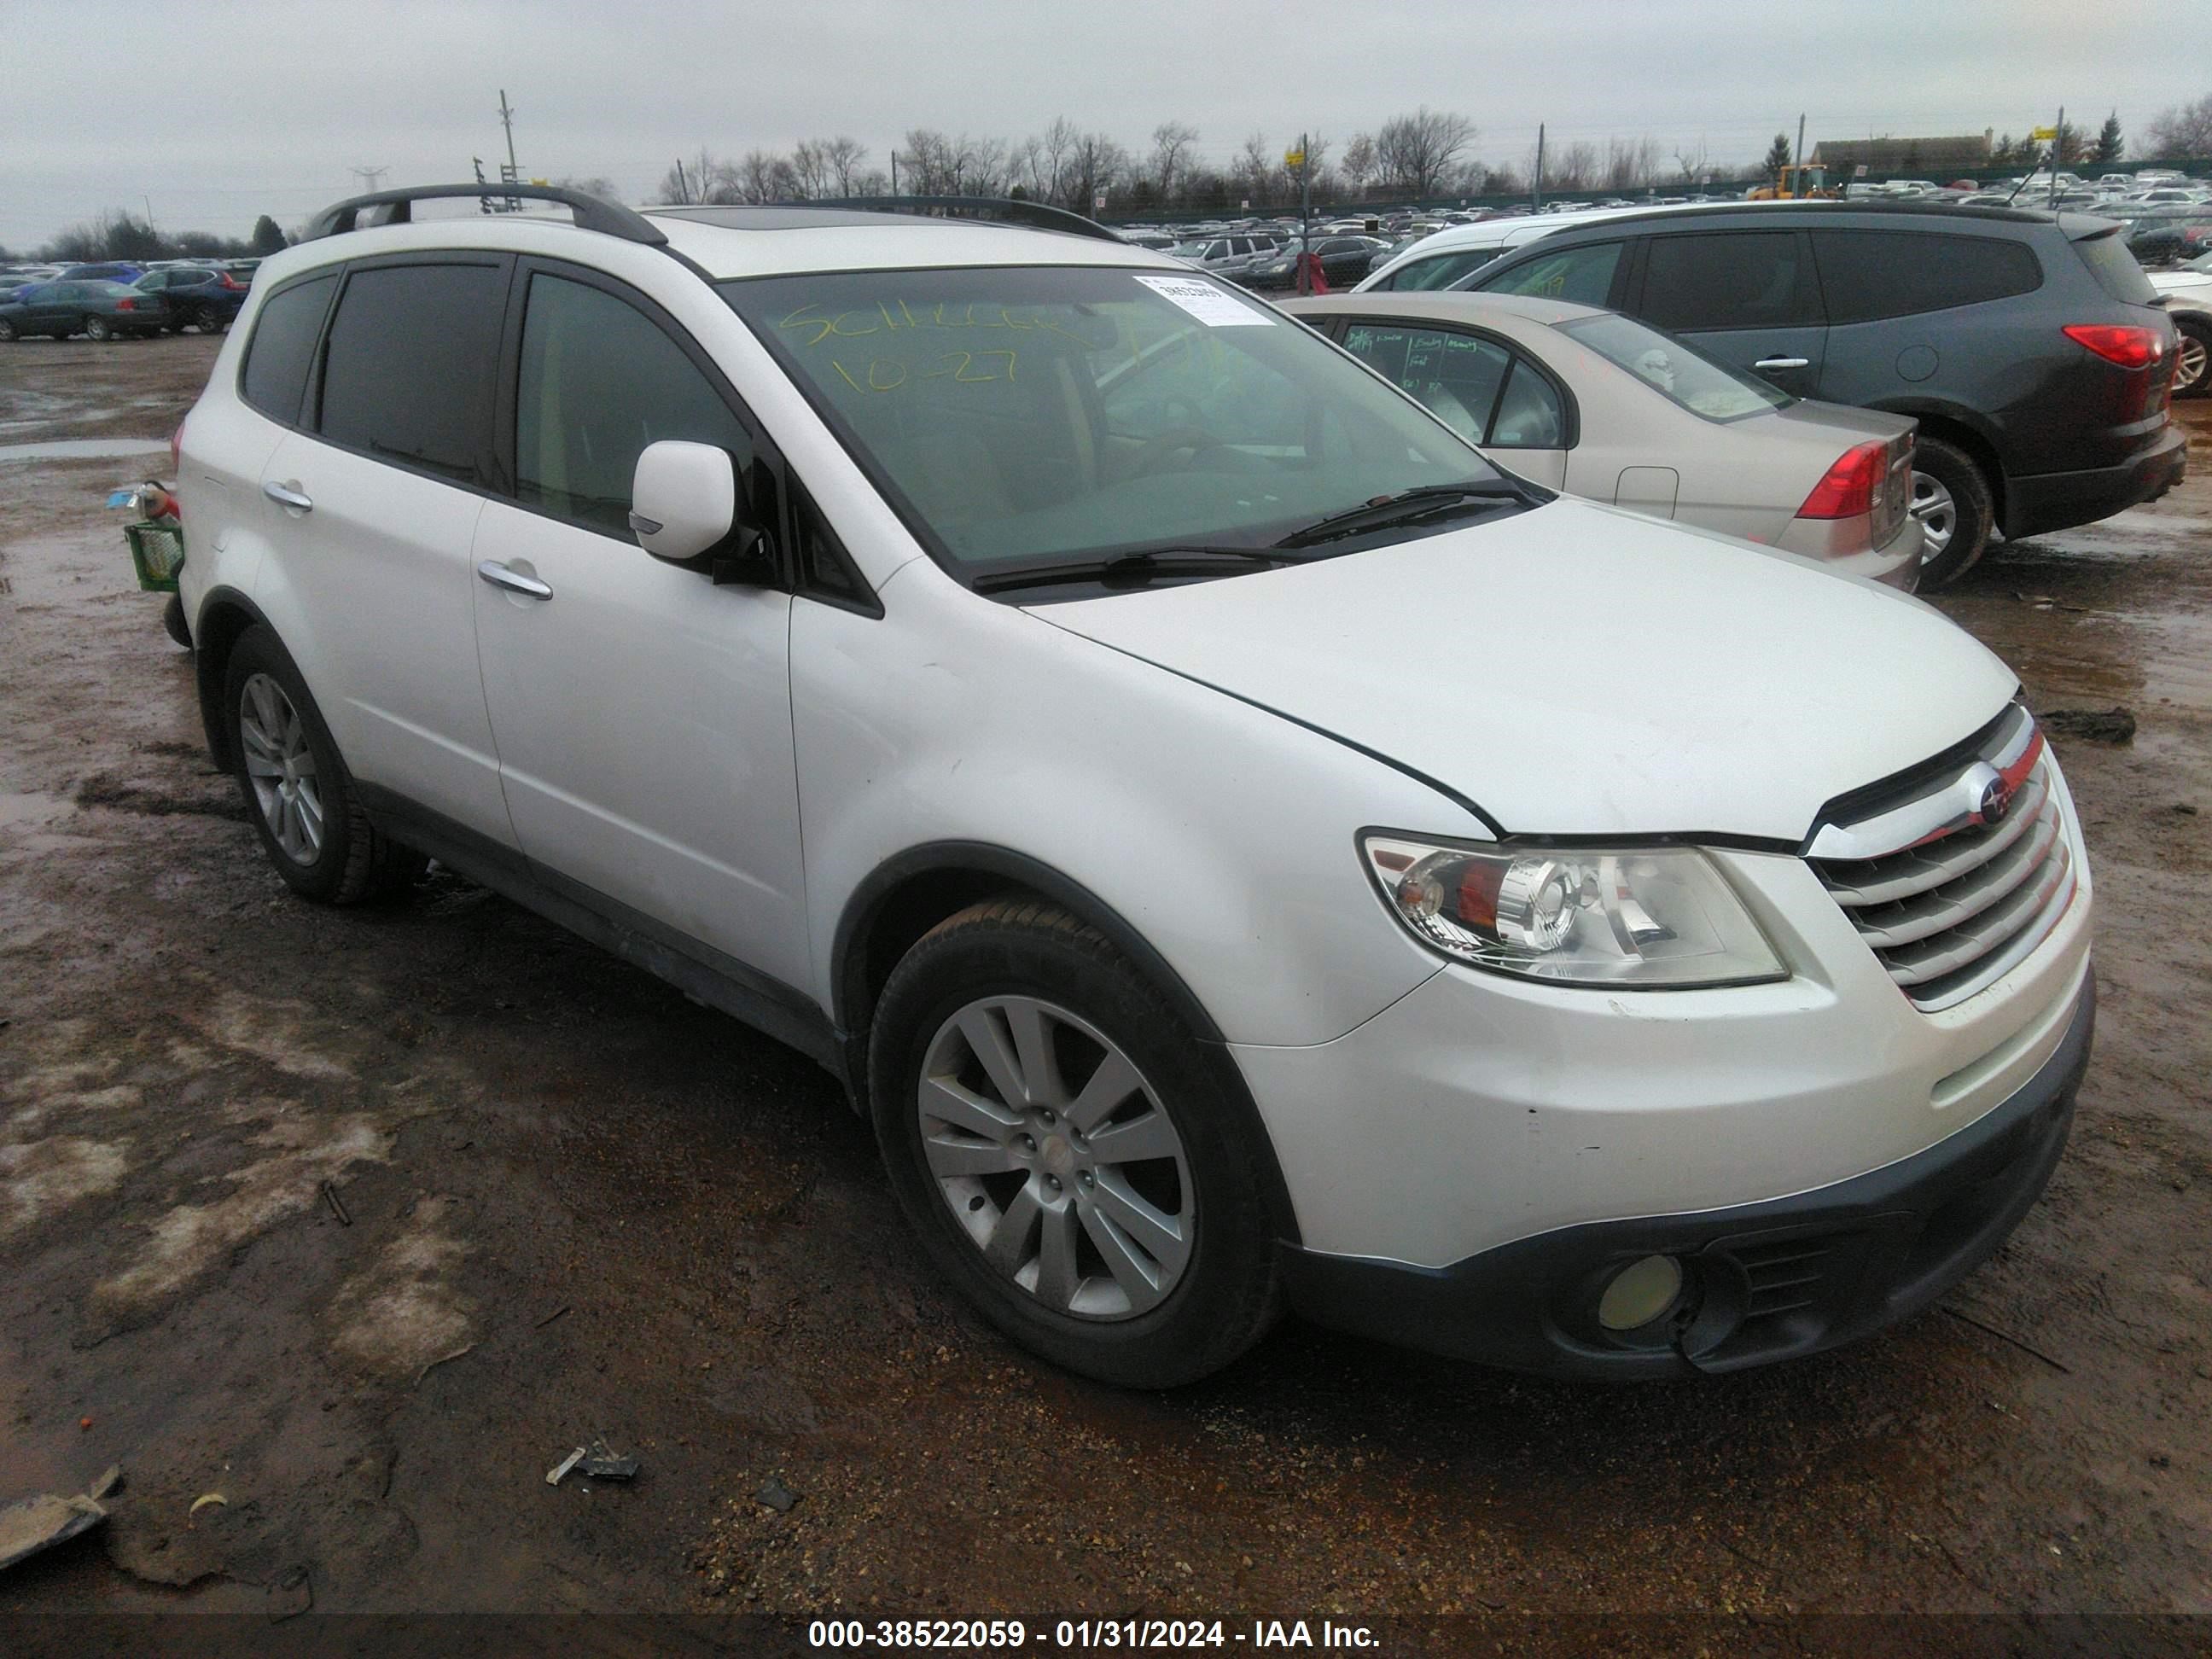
x=1241 y=848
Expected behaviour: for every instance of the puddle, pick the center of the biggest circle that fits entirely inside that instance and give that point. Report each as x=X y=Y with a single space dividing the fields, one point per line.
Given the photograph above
x=84 y=449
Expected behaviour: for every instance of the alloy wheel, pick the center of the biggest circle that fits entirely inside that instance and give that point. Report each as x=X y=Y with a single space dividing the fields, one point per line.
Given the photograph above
x=280 y=767
x=1056 y=1159
x=2189 y=363
x=1937 y=512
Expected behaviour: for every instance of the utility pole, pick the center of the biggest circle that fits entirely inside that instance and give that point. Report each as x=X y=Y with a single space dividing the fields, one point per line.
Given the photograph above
x=1797 y=186
x=2058 y=150
x=894 y=191
x=1305 y=209
x=1539 y=183
x=683 y=185
x=513 y=173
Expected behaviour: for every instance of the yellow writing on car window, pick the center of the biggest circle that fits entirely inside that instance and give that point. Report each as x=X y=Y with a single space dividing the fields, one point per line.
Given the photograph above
x=813 y=325
x=961 y=368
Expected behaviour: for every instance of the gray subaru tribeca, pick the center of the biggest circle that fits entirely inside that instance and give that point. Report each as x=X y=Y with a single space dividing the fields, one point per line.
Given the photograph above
x=2028 y=346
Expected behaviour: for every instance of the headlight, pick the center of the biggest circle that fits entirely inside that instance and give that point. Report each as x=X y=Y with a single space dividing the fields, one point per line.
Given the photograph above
x=1636 y=918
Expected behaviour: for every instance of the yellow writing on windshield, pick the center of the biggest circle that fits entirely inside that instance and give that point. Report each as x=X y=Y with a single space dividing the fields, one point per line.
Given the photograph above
x=961 y=368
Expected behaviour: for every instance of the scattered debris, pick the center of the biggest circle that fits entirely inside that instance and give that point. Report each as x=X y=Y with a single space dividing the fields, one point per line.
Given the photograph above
x=109 y=1483
x=337 y=1207
x=602 y=1464
x=777 y=1496
x=550 y=1317
x=84 y=1423
x=2045 y=602
x=291 y=1595
x=206 y=1500
x=2180 y=806
x=441 y=1359
x=2006 y=1336
x=2115 y=725
x=39 y=1523
x=598 y=1460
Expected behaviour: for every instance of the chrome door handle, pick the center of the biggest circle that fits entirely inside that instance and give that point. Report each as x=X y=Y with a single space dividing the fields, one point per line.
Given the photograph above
x=1783 y=362
x=286 y=497
x=512 y=580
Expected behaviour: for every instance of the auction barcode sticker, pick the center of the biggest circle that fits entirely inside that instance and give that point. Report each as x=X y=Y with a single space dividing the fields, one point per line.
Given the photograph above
x=1212 y=305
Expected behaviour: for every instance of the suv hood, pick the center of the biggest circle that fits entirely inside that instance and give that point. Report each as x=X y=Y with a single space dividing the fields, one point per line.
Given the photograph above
x=1576 y=670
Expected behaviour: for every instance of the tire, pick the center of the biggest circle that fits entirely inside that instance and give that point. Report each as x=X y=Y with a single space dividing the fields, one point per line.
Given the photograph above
x=314 y=831
x=1949 y=493
x=2194 y=358
x=97 y=327
x=7 y=330
x=173 y=624
x=212 y=322
x=1191 y=1297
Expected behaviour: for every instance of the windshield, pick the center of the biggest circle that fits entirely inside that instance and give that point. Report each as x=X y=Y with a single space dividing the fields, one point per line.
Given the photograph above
x=1680 y=372
x=1048 y=414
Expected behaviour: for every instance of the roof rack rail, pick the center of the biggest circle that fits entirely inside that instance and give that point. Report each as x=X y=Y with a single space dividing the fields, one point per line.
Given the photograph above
x=1036 y=214
x=592 y=212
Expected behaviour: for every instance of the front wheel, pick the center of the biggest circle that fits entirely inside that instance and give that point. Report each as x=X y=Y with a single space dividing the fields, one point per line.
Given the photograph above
x=1956 y=511
x=97 y=327
x=7 y=330
x=1055 y=1135
x=2192 y=357
x=297 y=790
x=213 y=322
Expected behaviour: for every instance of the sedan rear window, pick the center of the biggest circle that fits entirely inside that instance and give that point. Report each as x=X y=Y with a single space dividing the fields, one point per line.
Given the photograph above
x=1677 y=372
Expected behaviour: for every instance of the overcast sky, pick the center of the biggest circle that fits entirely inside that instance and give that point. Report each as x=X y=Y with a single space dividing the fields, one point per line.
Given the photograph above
x=231 y=108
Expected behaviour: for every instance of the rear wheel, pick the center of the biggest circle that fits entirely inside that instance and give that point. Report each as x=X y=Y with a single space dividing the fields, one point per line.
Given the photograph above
x=2192 y=357
x=7 y=329
x=1952 y=502
x=296 y=788
x=212 y=321
x=97 y=327
x=1053 y=1132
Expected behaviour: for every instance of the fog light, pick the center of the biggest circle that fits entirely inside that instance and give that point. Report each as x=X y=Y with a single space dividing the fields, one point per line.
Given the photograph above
x=1640 y=1292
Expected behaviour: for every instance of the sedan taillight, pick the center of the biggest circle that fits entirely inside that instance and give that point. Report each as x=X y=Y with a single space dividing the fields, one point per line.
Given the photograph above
x=1848 y=489
x=126 y=305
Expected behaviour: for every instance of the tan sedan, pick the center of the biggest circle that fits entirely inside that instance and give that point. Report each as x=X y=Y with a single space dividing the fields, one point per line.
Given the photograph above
x=1605 y=407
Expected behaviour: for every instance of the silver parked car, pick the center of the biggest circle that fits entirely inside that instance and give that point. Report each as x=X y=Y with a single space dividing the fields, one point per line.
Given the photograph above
x=1603 y=406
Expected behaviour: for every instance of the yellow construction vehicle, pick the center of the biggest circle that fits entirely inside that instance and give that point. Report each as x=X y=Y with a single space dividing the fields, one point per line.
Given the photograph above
x=1794 y=183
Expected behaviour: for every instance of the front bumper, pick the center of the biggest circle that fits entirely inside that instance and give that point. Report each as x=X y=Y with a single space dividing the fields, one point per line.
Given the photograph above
x=2060 y=500
x=1763 y=1281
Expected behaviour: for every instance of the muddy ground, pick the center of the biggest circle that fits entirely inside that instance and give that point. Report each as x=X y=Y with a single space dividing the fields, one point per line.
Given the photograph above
x=575 y=1204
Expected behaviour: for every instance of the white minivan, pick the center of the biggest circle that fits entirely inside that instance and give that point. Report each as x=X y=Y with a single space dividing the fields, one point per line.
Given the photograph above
x=1243 y=850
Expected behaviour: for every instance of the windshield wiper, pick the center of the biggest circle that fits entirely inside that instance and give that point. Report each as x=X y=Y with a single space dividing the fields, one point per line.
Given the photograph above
x=1135 y=570
x=1407 y=506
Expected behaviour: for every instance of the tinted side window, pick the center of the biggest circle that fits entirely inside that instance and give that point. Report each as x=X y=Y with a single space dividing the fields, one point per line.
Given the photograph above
x=408 y=374
x=1867 y=274
x=1581 y=274
x=282 y=347
x=599 y=382
x=1441 y=270
x=1454 y=376
x=1732 y=279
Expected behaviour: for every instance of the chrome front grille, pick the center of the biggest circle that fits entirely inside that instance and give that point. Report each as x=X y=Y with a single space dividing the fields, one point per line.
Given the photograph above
x=1957 y=879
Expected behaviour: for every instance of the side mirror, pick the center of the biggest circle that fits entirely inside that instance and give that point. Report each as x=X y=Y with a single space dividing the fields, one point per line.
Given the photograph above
x=684 y=505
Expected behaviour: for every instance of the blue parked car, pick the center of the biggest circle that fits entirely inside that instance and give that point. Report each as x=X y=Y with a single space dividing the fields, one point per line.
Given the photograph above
x=112 y=272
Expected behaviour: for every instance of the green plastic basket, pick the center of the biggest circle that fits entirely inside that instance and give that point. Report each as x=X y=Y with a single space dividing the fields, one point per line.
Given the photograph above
x=157 y=551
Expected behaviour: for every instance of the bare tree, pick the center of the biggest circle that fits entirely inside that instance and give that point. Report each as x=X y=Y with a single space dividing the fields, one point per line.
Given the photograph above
x=1359 y=163
x=845 y=157
x=1695 y=165
x=2182 y=133
x=1414 y=153
x=810 y=167
x=1057 y=145
x=1256 y=170
x=1094 y=166
x=1577 y=165
x=1171 y=142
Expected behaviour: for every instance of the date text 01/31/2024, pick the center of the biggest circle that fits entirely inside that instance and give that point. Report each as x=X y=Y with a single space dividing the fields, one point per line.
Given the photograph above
x=1083 y=1633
